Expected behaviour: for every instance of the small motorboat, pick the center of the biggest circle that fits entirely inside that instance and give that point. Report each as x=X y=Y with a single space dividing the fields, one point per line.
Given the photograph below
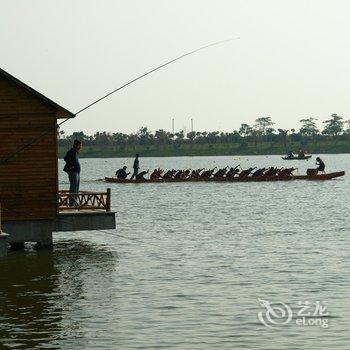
x=297 y=157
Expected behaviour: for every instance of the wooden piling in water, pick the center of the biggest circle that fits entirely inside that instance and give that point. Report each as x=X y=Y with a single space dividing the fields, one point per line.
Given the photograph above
x=108 y=204
x=3 y=240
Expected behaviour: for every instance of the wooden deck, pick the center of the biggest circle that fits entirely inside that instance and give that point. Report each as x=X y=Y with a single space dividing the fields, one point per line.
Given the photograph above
x=85 y=201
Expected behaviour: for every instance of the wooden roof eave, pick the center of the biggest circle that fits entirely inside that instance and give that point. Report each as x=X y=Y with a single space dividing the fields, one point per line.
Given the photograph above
x=64 y=114
x=61 y=112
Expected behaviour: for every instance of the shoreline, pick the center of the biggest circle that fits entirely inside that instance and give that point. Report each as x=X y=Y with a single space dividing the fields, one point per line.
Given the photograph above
x=82 y=156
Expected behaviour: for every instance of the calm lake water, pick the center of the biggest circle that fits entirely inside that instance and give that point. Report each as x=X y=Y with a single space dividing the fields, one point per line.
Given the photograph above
x=187 y=265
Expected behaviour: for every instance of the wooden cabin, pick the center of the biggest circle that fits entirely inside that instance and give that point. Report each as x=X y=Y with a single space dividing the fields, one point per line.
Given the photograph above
x=28 y=151
x=32 y=206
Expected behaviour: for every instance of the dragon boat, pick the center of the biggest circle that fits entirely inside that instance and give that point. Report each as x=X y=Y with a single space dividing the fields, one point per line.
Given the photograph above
x=318 y=177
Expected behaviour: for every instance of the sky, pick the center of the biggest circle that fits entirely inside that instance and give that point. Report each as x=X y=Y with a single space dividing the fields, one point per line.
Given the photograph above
x=291 y=61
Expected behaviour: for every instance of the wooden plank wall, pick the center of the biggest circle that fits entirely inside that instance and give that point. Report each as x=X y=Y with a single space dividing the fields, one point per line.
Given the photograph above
x=28 y=182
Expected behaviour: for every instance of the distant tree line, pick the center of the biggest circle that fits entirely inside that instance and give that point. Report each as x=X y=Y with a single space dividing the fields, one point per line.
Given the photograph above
x=263 y=130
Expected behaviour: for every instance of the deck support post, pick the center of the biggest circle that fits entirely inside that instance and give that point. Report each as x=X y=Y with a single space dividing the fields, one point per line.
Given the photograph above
x=108 y=204
x=17 y=245
x=37 y=231
x=3 y=244
x=3 y=240
x=45 y=242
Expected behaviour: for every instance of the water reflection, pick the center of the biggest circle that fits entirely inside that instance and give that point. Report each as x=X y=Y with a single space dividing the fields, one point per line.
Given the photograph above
x=40 y=293
x=209 y=252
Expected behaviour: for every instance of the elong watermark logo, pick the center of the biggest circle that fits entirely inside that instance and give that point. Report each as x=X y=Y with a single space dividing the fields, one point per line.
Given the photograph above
x=305 y=313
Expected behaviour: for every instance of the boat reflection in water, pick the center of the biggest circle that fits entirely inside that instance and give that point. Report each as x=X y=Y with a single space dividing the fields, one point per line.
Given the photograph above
x=41 y=293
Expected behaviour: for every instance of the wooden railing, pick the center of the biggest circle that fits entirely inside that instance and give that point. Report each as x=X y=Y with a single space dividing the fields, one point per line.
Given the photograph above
x=85 y=200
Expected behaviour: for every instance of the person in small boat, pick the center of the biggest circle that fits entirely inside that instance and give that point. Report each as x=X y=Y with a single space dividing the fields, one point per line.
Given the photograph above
x=136 y=167
x=141 y=175
x=121 y=174
x=301 y=154
x=290 y=155
x=321 y=166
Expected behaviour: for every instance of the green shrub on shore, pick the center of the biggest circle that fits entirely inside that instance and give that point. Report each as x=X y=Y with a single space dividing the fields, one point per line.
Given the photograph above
x=261 y=138
x=219 y=149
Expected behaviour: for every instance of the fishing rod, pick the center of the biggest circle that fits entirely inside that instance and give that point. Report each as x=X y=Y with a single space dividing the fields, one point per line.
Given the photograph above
x=35 y=140
x=153 y=70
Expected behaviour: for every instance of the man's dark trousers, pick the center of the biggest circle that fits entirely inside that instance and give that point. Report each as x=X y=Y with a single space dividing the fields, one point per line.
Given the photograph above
x=74 y=180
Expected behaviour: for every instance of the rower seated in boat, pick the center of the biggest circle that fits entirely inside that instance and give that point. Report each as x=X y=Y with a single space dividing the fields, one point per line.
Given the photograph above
x=195 y=174
x=290 y=171
x=156 y=174
x=184 y=175
x=321 y=165
x=121 y=174
x=207 y=174
x=285 y=172
x=169 y=174
x=220 y=172
x=259 y=172
x=245 y=173
x=270 y=171
x=273 y=171
x=141 y=175
x=178 y=174
x=232 y=172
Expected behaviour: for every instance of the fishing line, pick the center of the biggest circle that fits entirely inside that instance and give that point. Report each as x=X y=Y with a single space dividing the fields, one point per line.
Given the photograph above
x=24 y=147
x=114 y=234
x=99 y=230
x=35 y=140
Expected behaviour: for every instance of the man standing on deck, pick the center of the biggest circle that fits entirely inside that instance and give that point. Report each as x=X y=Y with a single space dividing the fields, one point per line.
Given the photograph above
x=136 y=167
x=72 y=168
